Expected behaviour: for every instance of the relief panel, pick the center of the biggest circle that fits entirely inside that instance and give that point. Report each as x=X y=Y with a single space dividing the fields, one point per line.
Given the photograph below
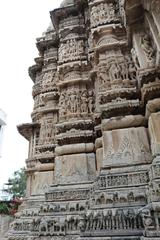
x=126 y=147
x=75 y=168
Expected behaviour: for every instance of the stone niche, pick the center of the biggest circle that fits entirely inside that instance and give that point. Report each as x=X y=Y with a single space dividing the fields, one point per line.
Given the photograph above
x=154 y=131
x=75 y=168
x=128 y=146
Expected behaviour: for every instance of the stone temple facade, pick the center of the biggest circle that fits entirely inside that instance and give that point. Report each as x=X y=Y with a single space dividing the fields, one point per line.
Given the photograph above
x=93 y=167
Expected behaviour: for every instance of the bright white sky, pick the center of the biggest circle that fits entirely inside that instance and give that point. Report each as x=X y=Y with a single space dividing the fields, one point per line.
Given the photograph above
x=21 y=22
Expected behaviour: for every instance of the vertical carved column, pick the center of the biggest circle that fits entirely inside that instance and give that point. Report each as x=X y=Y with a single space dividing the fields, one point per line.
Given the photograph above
x=116 y=85
x=75 y=161
x=40 y=163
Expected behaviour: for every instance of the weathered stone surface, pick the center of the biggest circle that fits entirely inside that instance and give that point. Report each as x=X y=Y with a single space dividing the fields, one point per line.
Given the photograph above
x=152 y=106
x=75 y=168
x=41 y=182
x=154 y=126
x=125 y=147
x=123 y=122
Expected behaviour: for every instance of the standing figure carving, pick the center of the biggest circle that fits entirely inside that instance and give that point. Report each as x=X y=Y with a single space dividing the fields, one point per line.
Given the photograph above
x=73 y=101
x=84 y=102
x=135 y=58
x=147 y=49
x=114 y=71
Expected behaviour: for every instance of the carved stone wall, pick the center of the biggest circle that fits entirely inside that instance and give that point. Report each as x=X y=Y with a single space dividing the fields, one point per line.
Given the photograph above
x=93 y=166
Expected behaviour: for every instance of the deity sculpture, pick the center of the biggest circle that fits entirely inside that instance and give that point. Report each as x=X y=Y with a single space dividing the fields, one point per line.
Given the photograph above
x=148 y=49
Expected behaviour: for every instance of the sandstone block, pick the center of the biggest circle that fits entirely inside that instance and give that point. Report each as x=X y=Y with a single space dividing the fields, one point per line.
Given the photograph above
x=126 y=147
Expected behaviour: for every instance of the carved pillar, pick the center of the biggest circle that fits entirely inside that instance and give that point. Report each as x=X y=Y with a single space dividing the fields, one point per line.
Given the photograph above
x=75 y=160
x=115 y=79
x=123 y=151
x=40 y=162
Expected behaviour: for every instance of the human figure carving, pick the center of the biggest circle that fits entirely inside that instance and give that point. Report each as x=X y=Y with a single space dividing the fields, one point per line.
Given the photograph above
x=114 y=71
x=124 y=70
x=90 y=102
x=73 y=101
x=135 y=58
x=132 y=71
x=84 y=102
x=148 y=49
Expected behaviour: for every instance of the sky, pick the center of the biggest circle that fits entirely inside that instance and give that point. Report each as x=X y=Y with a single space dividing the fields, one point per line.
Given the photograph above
x=21 y=22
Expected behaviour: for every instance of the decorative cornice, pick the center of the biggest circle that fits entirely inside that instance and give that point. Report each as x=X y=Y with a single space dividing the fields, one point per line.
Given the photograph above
x=47 y=41
x=26 y=130
x=33 y=70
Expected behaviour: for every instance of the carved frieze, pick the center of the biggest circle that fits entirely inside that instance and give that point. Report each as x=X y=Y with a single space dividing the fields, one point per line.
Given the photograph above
x=74 y=136
x=103 y=13
x=74 y=21
x=68 y=207
x=75 y=102
x=83 y=125
x=130 y=179
x=71 y=50
x=116 y=69
x=108 y=220
x=68 y=195
x=106 y=199
x=92 y=220
x=47 y=131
